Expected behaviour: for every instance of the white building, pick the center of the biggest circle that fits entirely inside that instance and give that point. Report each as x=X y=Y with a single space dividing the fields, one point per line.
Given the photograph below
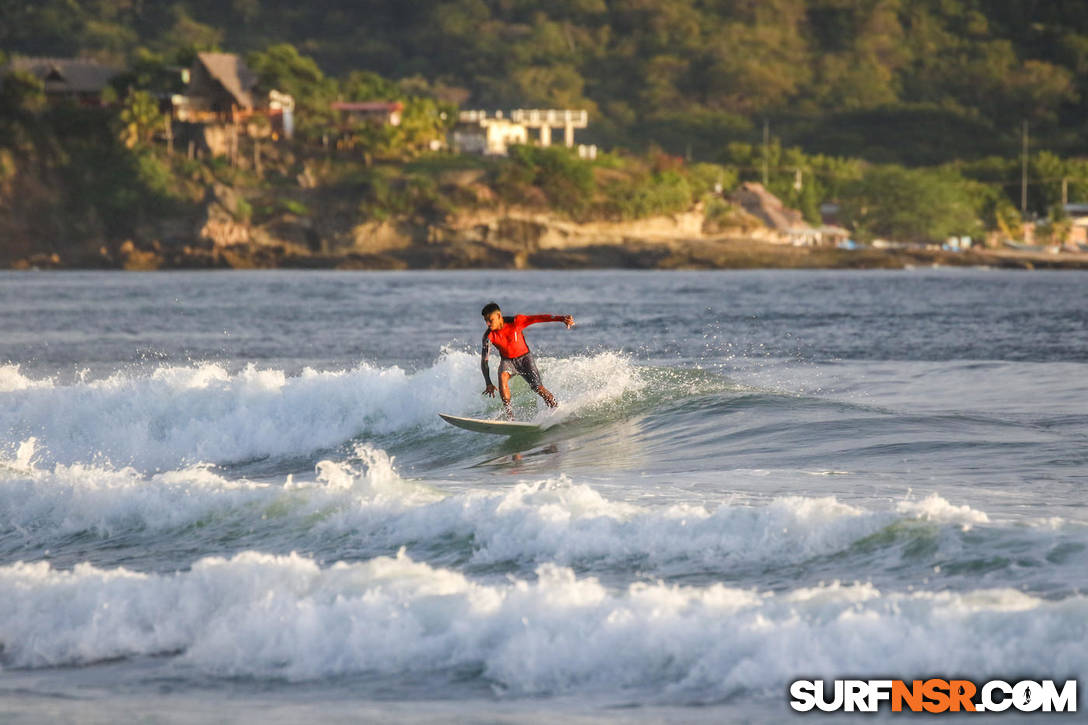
x=483 y=133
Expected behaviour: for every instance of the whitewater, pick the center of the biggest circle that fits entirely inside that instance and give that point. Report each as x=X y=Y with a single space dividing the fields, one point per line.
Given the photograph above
x=228 y=496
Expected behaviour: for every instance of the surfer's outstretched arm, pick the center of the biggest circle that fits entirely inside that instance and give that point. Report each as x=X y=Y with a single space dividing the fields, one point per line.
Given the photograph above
x=527 y=320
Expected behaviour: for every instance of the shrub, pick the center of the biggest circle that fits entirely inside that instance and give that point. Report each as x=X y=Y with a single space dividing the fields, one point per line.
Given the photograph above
x=566 y=180
x=386 y=194
x=646 y=195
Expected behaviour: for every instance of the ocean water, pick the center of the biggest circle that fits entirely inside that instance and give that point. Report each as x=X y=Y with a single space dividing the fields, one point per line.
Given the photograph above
x=228 y=496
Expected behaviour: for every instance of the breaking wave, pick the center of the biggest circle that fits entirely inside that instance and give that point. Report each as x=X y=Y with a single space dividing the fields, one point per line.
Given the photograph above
x=264 y=616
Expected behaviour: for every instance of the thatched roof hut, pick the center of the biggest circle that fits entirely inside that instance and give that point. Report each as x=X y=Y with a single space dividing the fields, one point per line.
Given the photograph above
x=760 y=203
x=221 y=81
x=74 y=78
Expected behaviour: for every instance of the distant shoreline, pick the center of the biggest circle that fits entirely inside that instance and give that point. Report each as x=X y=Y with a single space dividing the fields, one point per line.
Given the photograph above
x=673 y=254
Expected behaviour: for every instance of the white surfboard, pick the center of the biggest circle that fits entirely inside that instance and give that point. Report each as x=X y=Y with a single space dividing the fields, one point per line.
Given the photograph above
x=496 y=427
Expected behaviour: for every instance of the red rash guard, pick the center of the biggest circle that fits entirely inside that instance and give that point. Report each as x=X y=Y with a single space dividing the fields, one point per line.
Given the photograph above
x=509 y=339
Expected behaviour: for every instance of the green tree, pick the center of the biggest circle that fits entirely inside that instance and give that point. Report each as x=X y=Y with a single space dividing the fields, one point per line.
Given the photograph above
x=425 y=123
x=283 y=68
x=140 y=118
x=758 y=59
x=364 y=85
x=21 y=92
x=918 y=205
x=867 y=53
x=187 y=36
x=1047 y=170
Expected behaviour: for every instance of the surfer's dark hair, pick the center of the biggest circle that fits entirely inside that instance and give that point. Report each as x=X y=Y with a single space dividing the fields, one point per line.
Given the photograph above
x=489 y=308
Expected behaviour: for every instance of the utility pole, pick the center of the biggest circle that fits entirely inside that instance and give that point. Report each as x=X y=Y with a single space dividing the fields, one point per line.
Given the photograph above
x=766 y=149
x=1024 y=171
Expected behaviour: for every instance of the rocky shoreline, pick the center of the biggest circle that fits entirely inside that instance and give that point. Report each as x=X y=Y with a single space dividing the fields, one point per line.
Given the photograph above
x=720 y=253
x=219 y=236
x=491 y=238
x=514 y=242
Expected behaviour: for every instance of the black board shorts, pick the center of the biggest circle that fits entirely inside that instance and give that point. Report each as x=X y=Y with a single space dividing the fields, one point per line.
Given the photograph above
x=523 y=366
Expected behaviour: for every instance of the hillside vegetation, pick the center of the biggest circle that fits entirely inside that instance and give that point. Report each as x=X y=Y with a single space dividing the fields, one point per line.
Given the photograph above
x=917 y=82
x=908 y=115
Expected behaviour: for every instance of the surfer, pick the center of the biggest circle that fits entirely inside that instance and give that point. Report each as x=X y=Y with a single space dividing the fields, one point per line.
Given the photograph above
x=505 y=333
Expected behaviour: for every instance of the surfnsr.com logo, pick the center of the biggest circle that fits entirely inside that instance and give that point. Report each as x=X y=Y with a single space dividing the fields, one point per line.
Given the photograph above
x=934 y=695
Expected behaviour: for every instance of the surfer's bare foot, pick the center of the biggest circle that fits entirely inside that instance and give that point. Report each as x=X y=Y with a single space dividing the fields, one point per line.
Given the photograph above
x=548 y=398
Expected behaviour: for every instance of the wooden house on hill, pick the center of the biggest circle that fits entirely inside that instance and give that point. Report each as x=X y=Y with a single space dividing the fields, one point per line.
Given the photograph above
x=220 y=85
x=222 y=102
x=77 y=80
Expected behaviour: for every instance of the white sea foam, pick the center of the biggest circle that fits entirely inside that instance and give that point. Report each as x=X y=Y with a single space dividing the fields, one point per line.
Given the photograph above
x=267 y=616
x=185 y=415
x=588 y=383
x=12 y=379
x=203 y=413
x=364 y=501
x=43 y=503
x=935 y=508
x=558 y=520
